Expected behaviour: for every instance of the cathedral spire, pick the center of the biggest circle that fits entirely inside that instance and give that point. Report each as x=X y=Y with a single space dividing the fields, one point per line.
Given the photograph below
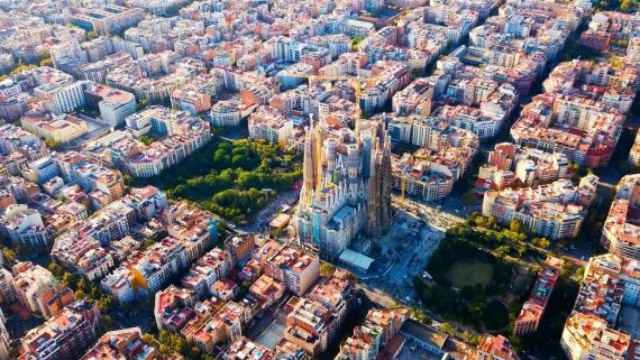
x=308 y=166
x=386 y=216
x=373 y=191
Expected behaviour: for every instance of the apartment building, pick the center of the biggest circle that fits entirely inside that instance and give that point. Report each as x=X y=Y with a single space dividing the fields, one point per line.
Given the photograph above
x=598 y=325
x=587 y=336
x=25 y=226
x=65 y=336
x=211 y=267
x=59 y=129
x=245 y=348
x=181 y=134
x=38 y=290
x=621 y=231
x=431 y=171
x=191 y=99
x=125 y=344
x=530 y=315
x=634 y=153
x=114 y=104
x=106 y=19
x=267 y=291
x=379 y=327
x=495 y=348
x=296 y=269
x=511 y=165
x=270 y=124
x=191 y=232
x=310 y=325
x=554 y=210
x=585 y=130
x=173 y=308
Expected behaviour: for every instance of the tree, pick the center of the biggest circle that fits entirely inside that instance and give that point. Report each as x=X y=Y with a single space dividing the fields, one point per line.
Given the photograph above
x=94 y=292
x=8 y=255
x=52 y=144
x=69 y=280
x=355 y=42
x=21 y=68
x=476 y=311
x=83 y=285
x=448 y=328
x=55 y=269
x=627 y=5
x=193 y=352
x=229 y=178
x=503 y=250
x=495 y=315
x=516 y=226
x=149 y=339
x=79 y=294
x=165 y=350
x=579 y=274
x=146 y=139
x=46 y=61
x=420 y=316
x=221 y=158
x=541 y=242
x=142 y=103
x=147 y=243
x=106 y=323
x=105 y=303
x=171 y=343
x=617 y=62
x=326 y=269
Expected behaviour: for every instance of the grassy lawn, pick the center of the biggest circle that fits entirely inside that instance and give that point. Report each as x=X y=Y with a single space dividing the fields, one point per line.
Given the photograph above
x=469 y=273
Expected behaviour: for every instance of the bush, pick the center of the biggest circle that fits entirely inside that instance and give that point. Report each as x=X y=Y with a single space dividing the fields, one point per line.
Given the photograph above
x=495 y=315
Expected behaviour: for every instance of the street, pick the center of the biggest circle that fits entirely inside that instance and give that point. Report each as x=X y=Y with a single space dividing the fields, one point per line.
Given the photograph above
x=266 y=215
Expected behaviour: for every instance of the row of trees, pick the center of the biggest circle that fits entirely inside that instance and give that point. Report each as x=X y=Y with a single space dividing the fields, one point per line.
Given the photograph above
x=87 y=290
x=169 y=344
x=511 y=240
x=626 y=6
